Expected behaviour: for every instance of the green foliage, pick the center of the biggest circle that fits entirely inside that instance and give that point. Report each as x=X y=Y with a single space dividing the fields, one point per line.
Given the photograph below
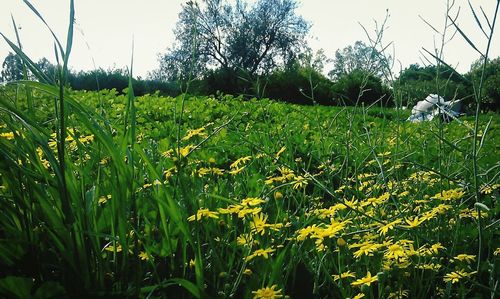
x=491 y=85
x=415 y=83
x=359 y=57
x=366 y=86
x=300 y=85
x=12 y=68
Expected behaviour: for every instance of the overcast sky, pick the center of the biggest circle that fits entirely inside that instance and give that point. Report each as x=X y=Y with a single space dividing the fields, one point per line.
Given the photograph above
x=105 y=28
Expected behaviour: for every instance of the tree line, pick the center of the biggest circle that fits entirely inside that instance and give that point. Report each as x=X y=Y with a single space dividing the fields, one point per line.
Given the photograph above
x=259 y=49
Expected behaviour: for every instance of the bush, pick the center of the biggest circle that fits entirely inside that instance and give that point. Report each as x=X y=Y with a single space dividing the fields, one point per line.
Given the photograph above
x=294 y=85
x=348 y=88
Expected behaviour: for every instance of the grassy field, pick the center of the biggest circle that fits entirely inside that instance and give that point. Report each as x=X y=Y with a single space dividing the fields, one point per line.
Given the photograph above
x=208 y=197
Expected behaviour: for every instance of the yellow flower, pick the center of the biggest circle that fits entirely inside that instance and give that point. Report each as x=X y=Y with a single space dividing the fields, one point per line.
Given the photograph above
x=455 y=276
x=267 y=293
x=451 y=194
x=300 y=182
x=252 y=201
x=395 y=252
x=435 y=247
x=496 y=252
x=359 y=296
x=485 y=189
x=367 y=280
x=8 y=135
x=389 y=226
x=280 y=152
x=104 y=199
x=366 y=248
x=245 y=240
x=399 y=294
x=260 y=252
x=236 y=171
x=413 y=223
x=192 y=263
x=258 y=225
x=203 y=213
x=144 y=256
x=196 y=132
x=214 y=170
x=239 y=161
x=431 y=266
x=278 y=195
x=184 y=151
x=344 y=275
x=112 y=248
x=247 y=271
x=465 y=258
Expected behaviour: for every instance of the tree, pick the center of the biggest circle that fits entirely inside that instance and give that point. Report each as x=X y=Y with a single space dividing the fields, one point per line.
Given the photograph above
x=360 y=57
x=46 y=67
x=12 y=68
x=251 y=38
x=490 y=93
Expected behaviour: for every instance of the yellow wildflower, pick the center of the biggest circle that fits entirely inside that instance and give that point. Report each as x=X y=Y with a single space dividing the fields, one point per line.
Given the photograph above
x=260 y=252
x=267 y=293
x=280 y=152
x=104 y=199
x=203 y=213
x=258 y=225
x=430 y=266
x=196 y=132
x=455 y=276
x=300 y=182
x=366 y=248
x=344 y=275
x=413 y=223
x=239 y=161
x=144 y=256
x=184 y=151
x=395 y=252
x=452 y=194
x=252 y=201
x=367 y=280
x=389 y=226
x=468 y=258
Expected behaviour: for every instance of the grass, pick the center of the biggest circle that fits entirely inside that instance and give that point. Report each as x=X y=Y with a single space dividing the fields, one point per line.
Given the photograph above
x=155 y=197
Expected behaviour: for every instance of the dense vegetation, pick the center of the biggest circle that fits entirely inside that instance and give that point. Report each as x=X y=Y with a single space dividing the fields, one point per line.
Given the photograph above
x=224 y=196
x=108 y=194
x=301 y=83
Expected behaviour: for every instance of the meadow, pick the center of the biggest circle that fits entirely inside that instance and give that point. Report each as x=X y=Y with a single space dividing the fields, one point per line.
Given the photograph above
x=217 y=197
x=108 y=195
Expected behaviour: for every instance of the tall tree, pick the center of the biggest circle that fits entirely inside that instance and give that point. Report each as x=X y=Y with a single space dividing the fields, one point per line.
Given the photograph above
x=358 y=57
x=12 y=68
x=253 y=38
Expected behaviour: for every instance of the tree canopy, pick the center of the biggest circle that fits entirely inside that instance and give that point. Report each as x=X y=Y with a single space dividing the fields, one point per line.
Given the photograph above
x=12 y=68
x=359 y=57
x=251 y=37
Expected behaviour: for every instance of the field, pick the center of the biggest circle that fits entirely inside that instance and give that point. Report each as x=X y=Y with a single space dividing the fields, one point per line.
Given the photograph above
x=216 y=197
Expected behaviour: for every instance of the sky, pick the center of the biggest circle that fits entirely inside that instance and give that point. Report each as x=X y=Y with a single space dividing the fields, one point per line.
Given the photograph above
x=105 y=29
